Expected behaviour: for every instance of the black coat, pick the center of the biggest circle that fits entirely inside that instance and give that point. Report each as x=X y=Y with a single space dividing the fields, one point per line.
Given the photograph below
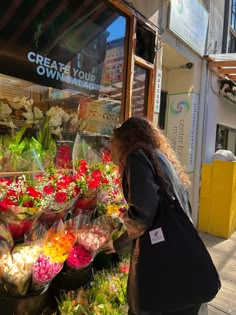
x=143 y=192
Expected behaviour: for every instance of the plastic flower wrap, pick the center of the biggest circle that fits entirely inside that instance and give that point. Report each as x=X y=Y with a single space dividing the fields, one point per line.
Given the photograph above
x=58 y=243
x=44 y=271
x=91 y=179
x=56 y=247
x=94 y=235
x=17 y=267
x=91 y=235
x=79 y=257
x=20 y=205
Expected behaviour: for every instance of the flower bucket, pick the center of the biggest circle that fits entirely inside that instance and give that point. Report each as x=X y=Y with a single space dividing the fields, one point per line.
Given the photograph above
x=72 y=279
x=31 y=304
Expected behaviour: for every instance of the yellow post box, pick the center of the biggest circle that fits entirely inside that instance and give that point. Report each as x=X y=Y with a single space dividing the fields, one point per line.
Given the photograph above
x=217 y=211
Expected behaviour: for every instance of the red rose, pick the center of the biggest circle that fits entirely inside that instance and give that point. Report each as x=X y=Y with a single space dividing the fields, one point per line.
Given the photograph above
x=49 y=189
x=60 y=197
x=97 y=175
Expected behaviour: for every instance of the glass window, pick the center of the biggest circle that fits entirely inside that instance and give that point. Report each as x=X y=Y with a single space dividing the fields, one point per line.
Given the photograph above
x=140 y=91
x=61 y=69
x=233 y=15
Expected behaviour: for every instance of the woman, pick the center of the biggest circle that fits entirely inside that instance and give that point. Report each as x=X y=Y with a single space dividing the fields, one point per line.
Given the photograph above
x=152 y=179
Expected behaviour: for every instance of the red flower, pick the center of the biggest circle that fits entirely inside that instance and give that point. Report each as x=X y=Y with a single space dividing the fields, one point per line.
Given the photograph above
x=97 y=174
x=83 y=167
x=60 y=197
x=124 y=269
x=39 y=176
x=93 y=183
x=116 y=181
x=76 y=190
x=5 y=203
x=106 y=158
x=28 y=204
x=49 y=189
x=105 y=181
x=33 y=192
x=11 y=193
x=61 y=185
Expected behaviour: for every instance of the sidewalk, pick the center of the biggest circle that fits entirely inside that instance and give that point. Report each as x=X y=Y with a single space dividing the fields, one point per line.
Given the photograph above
x=223 y=253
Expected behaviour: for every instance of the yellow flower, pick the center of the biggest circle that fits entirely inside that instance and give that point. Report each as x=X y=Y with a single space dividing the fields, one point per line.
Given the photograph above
x=111 y=209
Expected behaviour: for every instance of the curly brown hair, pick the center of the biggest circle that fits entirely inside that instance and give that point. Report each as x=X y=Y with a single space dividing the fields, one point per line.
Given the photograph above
x=139 y=133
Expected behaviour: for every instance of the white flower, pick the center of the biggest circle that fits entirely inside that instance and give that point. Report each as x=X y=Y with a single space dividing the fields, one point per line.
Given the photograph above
x=29 y=115
x=57 y=131
x=38 y=113
x=5 y=110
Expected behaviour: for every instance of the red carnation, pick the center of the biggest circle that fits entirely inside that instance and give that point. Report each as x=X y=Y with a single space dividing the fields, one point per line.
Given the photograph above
x=60 y=197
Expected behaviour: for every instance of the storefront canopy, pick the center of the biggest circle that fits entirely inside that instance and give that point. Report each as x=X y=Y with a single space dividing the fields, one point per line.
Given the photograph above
x=224 y=65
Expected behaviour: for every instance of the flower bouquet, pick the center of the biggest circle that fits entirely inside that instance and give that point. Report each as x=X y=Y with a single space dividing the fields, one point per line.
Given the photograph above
x=20 y=205
x=55 y=250
x=59 y=195
x=17 y=267
x=90 y=238
x=91 y=179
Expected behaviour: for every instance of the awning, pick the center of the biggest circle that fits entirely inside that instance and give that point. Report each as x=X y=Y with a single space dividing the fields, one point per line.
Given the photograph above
x=224 y=65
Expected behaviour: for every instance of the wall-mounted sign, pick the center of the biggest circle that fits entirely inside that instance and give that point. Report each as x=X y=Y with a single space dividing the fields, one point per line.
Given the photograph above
x=182 y=127
x=158 y=91
x=189 y=20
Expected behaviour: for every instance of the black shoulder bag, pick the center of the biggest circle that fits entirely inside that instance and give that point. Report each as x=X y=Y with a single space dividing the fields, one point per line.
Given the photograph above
x=174 y=269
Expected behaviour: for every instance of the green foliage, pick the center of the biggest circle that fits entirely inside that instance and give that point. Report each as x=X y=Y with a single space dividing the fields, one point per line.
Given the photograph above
x=105 y=296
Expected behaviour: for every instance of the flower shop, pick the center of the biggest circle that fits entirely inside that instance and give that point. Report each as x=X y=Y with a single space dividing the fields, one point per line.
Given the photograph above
x=70 y=72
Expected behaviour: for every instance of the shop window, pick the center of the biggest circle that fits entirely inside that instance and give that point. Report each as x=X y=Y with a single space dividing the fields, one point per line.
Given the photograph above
x=162 y=114
x=221 y=138
x=139 y=91
x=225 y=138
x=233 y=15
x=61 y=61
x=145 y=43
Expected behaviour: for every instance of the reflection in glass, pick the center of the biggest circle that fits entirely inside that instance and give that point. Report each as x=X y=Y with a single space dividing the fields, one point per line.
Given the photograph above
x=139 y=93
x=61 y=70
